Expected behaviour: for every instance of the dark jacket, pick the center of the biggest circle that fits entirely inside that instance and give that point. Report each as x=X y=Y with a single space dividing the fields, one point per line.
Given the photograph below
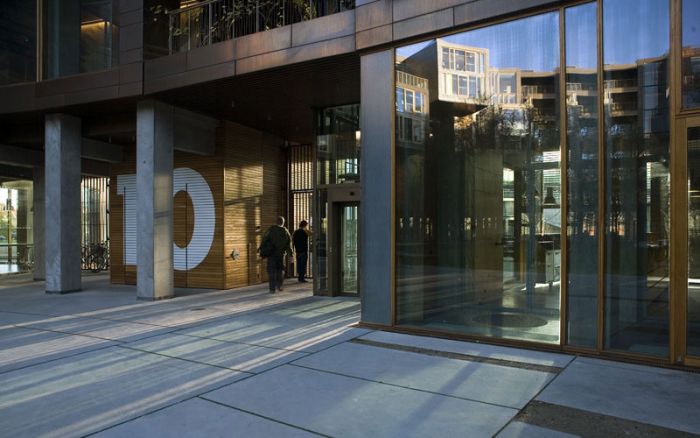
x=280 y=239
x=301 y=241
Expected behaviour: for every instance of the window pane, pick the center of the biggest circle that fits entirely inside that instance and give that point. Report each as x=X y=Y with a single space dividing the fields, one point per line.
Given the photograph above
x=79 y=36
x=582 y=173
x=635 y=49
x=445 y=58
x=459 y=60
x=471 y=63
x=691 y=54
x=693 y=335
x=462 y=86
x=399 y=99
x=478 y=198
x=17 y=41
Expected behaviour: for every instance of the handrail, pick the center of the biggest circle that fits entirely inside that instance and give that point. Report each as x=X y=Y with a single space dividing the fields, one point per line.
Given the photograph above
x=211 y=21
x=192 y=6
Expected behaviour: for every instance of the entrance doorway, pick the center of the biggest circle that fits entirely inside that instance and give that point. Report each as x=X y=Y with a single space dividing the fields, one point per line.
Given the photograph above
x=344 y=276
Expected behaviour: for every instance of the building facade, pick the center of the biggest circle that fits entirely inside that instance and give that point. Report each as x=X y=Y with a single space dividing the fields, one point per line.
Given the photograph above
x=517 y=172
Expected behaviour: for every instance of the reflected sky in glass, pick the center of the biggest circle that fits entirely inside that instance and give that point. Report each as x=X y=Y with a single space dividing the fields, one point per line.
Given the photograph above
x=507 y=43
x=634 y=30
x=580 y=33
x=691 y=23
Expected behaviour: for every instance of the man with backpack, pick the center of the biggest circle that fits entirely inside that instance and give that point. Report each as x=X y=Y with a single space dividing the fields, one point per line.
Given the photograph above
x=275 y=245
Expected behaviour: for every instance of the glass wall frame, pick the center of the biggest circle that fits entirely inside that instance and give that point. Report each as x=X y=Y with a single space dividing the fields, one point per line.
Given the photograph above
x=675 y=257
x=686 y=120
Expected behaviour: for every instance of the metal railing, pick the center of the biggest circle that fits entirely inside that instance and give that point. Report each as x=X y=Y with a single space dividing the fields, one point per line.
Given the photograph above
x=403 y=78
x=212 y=21
x=620 y=83
x=537 y=89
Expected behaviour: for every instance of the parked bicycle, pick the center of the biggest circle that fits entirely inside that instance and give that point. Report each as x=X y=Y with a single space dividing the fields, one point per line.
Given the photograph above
x=95 y=257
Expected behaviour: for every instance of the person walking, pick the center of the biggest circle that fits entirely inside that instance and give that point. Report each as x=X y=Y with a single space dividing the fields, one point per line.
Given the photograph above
x=300 y=238
x=276 y=244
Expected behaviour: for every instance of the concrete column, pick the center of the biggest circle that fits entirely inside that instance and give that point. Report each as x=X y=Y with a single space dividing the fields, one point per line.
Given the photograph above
x=62 y=201
x=38 y=230
x=376 y=122
x=154 y=197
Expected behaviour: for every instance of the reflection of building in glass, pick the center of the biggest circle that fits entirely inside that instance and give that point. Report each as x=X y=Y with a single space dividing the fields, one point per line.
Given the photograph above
x=412 y=98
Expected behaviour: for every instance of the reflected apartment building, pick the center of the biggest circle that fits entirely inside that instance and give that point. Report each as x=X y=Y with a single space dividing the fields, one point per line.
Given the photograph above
x=506 y=172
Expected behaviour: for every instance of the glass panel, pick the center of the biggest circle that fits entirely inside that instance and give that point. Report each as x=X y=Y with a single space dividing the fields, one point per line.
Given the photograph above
x=582 y=173
x=338 y=143
x=16 y=219
x=478 y=196
x=321 y=241
x=17 y=41
x=693 y=339
x=348 y=249
x=636 y=45
x=691 y=54
x=79 y=36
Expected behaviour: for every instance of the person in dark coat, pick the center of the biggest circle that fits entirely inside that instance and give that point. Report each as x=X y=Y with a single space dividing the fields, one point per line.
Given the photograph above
x=301 y=247
x=282 y=243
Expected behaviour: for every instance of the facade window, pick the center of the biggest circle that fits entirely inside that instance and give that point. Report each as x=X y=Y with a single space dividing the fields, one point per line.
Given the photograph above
x=459 y=60
x=690 y=83
x=480 y=201
x=17 y=42
x=582 y=174
x=637 y=184
x=79 y=37
x=462 y=86
x=399 y=99
x=471 y=62
x=445 y=58
x=409 y=101
x=473 y=90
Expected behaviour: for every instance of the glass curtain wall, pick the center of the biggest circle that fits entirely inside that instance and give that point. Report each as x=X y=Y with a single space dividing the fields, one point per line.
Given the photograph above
x=690 y=66
x=478 y=181
x=16 y=224
x=635 y=52
x=337 y=162
x=79 y=36
x=693 y=326
x=582 y=173
x=17 y=41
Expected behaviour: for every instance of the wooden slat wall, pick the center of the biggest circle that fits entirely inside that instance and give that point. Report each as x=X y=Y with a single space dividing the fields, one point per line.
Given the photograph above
x=210 y=273
x=255 y=180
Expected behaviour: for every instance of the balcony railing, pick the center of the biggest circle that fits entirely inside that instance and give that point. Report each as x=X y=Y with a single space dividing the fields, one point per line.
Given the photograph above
x=403 y=78
x=537 y=89
x=620 y=83
x=578 y=86
x=212 y=21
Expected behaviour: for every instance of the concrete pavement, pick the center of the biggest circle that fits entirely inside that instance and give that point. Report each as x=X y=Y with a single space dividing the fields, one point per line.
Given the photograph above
x=250 y=364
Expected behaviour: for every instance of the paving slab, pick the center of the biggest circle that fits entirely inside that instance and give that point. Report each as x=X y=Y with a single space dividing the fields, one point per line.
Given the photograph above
x=337 y=405
x=473 y=349
x=198 y=418
x=11 y=318
x=87 y=393
x=224 y=354
x=667 y=398
x=99 y=328
x=302 y=331
x=518 y=429
x=22 y=347
x=500 y=385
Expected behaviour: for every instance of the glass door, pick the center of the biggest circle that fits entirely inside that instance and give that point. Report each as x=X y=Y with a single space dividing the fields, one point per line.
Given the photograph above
x=690 y=138
x=347 y=265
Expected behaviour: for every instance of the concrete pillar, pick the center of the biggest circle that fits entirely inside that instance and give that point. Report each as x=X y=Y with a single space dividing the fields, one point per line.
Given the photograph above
x=376 y=122
x=62 y=202
x=38 y=230
x=154 y=197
